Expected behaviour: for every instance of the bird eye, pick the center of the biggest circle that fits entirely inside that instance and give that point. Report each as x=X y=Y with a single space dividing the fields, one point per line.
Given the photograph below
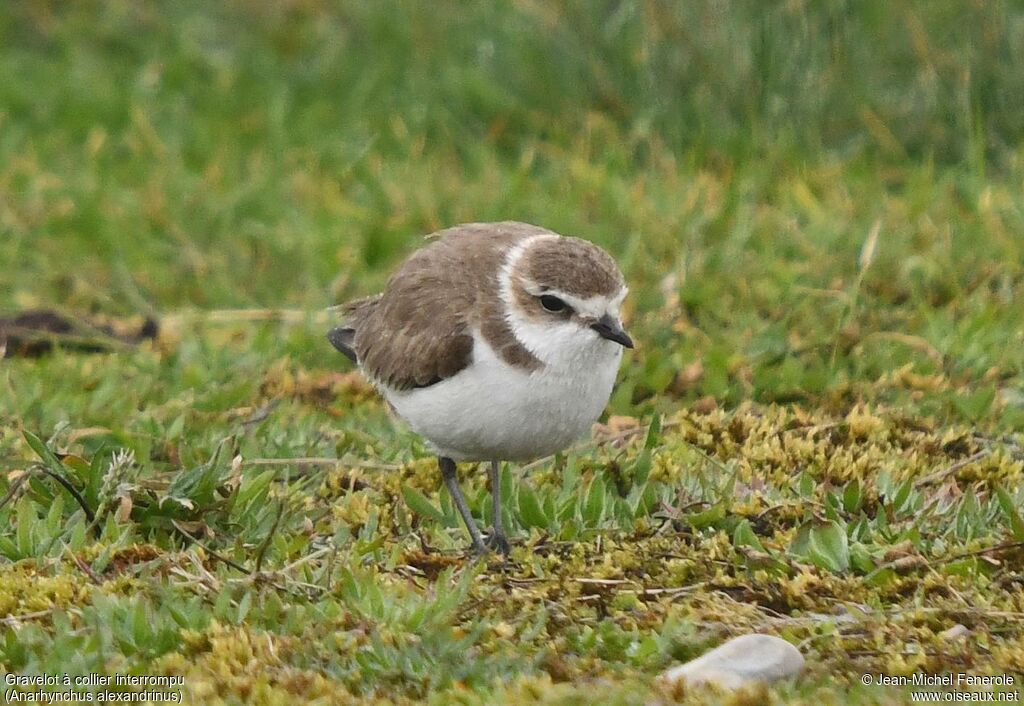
x=552 y=303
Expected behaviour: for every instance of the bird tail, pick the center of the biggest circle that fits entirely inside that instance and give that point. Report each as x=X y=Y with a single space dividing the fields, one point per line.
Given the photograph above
x=343 y=337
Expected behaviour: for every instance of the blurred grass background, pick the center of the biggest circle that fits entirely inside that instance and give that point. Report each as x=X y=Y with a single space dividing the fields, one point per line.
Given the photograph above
x=734 y=156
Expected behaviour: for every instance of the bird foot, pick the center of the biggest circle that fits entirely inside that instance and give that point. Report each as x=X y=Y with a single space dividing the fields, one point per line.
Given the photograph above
x=494 y=543
x=499 y=543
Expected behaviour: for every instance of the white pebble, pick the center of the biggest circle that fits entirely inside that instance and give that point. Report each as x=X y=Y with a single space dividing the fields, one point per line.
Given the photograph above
x=742 y=661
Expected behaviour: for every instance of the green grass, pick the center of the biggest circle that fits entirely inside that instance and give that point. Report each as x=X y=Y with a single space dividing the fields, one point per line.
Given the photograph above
x=818 y=208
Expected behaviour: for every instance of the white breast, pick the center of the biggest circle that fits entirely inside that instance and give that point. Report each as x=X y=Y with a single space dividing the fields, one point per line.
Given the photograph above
x=492 y=410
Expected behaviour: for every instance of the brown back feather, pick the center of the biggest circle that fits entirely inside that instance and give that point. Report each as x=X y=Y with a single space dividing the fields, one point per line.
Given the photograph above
x=419 y=330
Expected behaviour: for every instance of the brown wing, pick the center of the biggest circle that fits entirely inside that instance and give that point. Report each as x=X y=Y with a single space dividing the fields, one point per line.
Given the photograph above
x=419 y=331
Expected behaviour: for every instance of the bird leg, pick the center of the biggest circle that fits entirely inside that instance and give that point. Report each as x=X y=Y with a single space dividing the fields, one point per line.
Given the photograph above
x=451 y=482
x=497 y=540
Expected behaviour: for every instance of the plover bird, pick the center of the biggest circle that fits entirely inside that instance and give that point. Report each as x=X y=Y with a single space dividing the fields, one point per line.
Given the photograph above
x=495 y=342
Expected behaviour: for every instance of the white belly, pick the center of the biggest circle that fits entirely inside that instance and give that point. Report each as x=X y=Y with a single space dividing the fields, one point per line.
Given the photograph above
x=493 y=411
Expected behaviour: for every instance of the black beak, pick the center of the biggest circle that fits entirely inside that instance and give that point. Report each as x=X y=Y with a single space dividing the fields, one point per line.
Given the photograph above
x=609 y=328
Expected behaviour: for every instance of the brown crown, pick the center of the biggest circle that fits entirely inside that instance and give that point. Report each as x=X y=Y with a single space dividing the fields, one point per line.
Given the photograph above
x=572 y=266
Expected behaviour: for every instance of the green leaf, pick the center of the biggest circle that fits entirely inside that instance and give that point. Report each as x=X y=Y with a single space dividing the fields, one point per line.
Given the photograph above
x=852 y=496
x=27 y=520
x=641 y=468
x=967 y=567
x=197 y=486
x=43 y=452
x=593 y=506
x=8 y=549
x=244 y=606
x=861 y=559
x=707 y=518
x=549 y=506
x=653 y=432
x=743 y=536
x=506 y=482
x=805 y=485
x=1013 y=518
x=342 y=535
x=530 y=511
x=419 y=504
x=828 y=547
x=903 y=500
x=798 y=547
x=54 y=516
x=832 y=507
x=860 y=530
x=82 y=469
x=880 y=577
x=95 y=479
x=975 y=405
x=568 y=509
x=253 y=490
x=140 y=623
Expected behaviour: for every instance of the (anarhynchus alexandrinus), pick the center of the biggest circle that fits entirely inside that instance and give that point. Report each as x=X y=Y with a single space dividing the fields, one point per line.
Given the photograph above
x=495 y=342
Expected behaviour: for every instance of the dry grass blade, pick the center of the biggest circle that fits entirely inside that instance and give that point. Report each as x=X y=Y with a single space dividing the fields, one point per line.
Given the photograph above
x=915 y=342
x=13 y=490
x=639 y=430
x=216 y=555
x=982 y=552
x=939 y=476
x=867 y=251
x=177 y=319
x=90 y=516
x=14 y=620
x=265 y=544
x=321 y=461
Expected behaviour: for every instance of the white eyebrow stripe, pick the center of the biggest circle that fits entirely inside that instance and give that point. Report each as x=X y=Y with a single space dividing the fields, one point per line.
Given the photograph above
x=512 y=257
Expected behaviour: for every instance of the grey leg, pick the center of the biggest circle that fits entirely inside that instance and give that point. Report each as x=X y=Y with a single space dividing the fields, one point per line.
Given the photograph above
x=447 y=467
x=497 y=540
